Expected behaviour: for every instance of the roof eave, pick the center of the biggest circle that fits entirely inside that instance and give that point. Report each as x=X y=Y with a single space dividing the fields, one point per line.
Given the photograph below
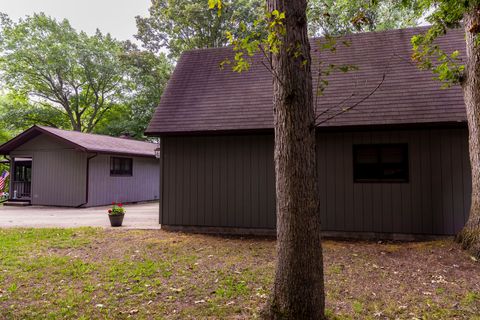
x=385 y=126
x=29 y=134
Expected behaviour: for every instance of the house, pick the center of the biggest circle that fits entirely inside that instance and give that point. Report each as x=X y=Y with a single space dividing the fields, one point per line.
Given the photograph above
x=55 y=167
x=392 y=161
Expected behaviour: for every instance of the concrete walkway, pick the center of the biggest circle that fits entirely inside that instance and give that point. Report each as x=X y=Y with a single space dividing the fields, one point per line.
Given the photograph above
x=138 y=216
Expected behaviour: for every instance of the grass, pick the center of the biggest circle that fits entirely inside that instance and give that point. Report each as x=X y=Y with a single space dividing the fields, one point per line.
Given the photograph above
x=91 y=273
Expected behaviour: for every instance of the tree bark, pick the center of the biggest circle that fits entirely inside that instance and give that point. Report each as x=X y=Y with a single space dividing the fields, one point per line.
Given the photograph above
x=469 y=237
x=298 y=291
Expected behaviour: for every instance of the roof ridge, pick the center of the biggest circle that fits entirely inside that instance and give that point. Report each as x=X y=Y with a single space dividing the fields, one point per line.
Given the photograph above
x=352 y=34
x=92 y=134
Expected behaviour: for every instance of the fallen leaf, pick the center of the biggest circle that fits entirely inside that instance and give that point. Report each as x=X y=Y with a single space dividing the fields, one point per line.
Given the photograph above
x=133 y=311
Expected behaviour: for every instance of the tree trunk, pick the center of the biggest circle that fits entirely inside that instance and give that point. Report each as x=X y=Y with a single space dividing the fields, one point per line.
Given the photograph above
x=470 y=235
x=299 y=287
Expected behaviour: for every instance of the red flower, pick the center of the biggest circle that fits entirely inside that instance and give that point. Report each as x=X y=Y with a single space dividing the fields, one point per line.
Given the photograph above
x=113 y=203
x=109 y=211
x=120 y=205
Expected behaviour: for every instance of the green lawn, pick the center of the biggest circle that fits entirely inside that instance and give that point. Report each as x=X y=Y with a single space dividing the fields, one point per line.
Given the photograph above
x=116 y=274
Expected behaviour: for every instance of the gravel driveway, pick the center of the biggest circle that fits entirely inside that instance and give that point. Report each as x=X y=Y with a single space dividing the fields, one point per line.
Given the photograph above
x=138 y=216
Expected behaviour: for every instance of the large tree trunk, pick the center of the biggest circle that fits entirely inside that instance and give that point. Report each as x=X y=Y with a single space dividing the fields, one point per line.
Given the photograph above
x=298 y=289
x=470 y=235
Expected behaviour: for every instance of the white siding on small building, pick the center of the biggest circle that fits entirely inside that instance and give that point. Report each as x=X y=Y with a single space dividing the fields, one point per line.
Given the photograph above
x=58 y=172
x=141 y=186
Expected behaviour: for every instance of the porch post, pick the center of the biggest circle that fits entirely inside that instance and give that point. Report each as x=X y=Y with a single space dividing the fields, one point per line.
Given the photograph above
x=10 y=185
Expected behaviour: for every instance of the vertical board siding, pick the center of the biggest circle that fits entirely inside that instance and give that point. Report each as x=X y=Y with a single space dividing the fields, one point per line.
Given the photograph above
x=58 y=172
x=434 y=201
x=229 y=181
x=141 y=186
x=58 y=178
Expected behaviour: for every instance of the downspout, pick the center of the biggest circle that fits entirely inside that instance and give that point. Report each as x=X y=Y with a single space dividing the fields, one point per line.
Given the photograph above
x=87 y=180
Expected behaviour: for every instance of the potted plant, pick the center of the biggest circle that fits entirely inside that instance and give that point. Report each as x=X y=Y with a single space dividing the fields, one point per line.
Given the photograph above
x=116 y=214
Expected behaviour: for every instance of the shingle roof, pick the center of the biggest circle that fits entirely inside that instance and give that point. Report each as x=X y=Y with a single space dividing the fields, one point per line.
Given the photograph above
x=201 y=97
x=85 y=142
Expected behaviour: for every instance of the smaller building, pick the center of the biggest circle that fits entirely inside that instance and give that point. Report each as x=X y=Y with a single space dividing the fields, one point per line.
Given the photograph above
x=56 y=167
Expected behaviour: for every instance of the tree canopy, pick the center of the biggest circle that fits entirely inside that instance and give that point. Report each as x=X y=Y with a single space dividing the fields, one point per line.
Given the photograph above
x=76 y=74
x=148 y=76
x=179 y=25
x=59 y=77
x=336 y=17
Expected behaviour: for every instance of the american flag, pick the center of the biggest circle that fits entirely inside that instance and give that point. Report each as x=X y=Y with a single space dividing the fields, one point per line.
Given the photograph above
x=3 y=177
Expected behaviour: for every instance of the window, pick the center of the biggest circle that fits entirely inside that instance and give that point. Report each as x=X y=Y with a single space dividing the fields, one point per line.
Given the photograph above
x=380 y=163
x=121 y=166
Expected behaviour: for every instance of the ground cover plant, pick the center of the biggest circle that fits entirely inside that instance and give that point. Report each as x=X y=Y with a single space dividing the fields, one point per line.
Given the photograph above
x=91 y=273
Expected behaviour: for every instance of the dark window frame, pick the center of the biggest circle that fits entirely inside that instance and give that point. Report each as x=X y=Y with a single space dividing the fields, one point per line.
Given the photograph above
x=377 y=170
x=125 y=166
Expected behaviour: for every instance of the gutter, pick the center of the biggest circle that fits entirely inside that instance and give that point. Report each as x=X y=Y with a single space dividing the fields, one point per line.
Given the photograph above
x=87 y=180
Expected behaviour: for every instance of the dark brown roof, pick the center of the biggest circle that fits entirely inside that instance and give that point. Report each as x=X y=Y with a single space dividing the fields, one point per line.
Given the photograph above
x=84 y=142
x=200 y=97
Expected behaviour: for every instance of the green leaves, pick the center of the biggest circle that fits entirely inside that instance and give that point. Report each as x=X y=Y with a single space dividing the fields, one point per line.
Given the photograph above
x=336 y=17
x=179 y=25
x=255 y=39
x=216 y=4
x=73 y=80
x=447 y=67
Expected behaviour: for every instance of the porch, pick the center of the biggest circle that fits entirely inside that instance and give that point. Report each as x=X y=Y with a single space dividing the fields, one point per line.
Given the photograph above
x=20 y=189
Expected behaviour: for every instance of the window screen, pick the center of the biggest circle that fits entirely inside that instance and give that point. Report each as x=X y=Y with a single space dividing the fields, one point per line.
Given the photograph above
x=121 y=166
x=380 y=163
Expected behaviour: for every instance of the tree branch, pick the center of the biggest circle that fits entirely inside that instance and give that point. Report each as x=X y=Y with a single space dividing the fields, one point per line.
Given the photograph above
x=344 y=110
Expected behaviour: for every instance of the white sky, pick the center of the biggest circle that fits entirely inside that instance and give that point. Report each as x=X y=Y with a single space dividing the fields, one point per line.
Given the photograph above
x=116 y=17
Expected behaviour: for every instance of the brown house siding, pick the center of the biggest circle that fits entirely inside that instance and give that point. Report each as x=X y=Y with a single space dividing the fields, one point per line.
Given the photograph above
x=434 y=201
x=228 y=182
x=218 y=181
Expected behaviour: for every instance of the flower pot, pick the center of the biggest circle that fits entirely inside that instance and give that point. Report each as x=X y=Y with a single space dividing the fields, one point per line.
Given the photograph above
x=116 y=220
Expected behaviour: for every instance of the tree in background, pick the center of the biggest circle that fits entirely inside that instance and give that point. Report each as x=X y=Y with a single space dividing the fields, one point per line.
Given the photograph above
x=18 y=113
x=335 y=17
x=60 y=78
x=76 y=76
x=148 y=75
x=179 y=25
x=445 y=14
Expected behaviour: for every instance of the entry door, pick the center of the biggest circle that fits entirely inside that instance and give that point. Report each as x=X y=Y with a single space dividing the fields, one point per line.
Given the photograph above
x=22 y=179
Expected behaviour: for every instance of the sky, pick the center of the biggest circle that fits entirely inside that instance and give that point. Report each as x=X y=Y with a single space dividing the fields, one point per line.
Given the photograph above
x=116 y=17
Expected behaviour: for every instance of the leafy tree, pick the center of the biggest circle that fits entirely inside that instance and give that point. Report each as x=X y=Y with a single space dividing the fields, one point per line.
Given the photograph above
x=336 y=17
x=148 y=75
x=179 y=25
x=18 y=113
x=70 y=74
x=449 y=68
